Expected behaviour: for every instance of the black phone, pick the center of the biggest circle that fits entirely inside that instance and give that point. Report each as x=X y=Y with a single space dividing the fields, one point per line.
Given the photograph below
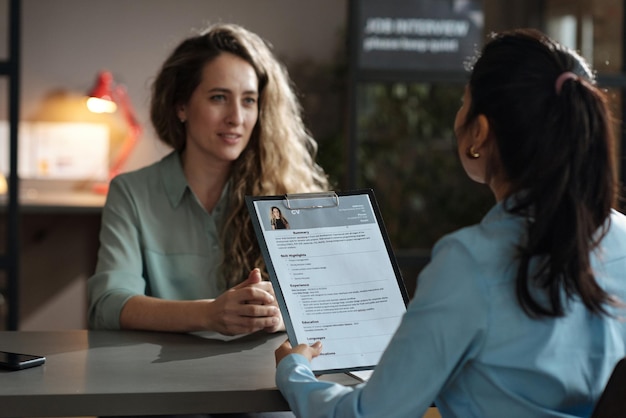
x=19 y=361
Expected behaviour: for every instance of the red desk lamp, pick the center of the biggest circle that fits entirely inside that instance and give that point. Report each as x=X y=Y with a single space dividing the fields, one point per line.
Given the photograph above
x=105 y=97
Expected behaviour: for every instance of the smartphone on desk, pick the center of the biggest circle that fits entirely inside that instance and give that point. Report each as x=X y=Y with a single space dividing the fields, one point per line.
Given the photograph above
x=19 y=361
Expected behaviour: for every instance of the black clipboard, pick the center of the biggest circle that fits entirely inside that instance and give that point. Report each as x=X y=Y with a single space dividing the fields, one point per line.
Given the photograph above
x=334 y=273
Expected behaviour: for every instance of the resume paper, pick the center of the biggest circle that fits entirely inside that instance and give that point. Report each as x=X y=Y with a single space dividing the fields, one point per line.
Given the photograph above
x=334 y=274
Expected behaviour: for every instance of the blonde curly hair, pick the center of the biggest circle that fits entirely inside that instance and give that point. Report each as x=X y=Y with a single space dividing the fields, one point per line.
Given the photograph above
x=280 y=156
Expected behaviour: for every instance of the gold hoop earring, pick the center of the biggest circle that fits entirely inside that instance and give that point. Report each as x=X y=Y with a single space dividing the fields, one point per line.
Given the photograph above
x=472 y=153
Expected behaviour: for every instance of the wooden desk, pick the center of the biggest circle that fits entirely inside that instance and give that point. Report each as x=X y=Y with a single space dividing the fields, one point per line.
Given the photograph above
x=91 y=373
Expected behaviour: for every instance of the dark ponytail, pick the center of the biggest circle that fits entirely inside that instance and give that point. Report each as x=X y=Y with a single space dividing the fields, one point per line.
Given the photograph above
x=556 y=150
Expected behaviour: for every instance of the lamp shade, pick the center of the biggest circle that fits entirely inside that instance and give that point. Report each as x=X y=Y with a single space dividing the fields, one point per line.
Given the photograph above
x=107 y=96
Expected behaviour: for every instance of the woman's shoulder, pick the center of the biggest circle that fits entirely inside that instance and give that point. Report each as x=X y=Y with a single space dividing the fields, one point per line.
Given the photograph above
x=496 y=230
x=618 y=219
x=146 y=185
x=614 y=242
x=141 y=176
x=482 y=253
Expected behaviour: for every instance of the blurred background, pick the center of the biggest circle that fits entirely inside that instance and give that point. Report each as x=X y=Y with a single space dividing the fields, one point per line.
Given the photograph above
x=380 y=84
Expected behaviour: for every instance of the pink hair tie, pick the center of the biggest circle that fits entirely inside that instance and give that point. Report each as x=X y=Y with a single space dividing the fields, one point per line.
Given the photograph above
x=568 y=75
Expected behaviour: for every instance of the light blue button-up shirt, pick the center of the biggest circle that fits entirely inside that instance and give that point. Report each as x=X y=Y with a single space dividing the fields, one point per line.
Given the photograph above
x=156 y=239
x=465 y=343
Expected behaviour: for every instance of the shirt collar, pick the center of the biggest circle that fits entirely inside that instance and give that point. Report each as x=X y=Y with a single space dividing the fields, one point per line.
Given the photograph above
x=175 y=182
x=173 y=178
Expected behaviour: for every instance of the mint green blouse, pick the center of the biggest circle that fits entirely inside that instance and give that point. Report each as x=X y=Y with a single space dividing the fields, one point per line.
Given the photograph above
x=156 y=239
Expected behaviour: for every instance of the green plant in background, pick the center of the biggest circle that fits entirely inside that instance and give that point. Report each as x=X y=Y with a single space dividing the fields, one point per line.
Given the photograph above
x=407 y=154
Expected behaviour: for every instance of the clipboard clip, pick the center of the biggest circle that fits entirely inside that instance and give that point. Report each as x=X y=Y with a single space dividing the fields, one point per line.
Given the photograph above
x=312 y=200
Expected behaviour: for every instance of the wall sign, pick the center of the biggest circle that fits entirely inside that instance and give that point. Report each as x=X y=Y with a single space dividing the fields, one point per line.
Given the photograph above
x=428 y=35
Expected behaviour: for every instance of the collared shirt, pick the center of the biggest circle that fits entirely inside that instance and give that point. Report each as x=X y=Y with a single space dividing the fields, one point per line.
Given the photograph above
x=156 y=239
x=466 y=344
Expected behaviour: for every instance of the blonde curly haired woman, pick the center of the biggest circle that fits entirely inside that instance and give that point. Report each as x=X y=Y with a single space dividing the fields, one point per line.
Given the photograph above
x=177 y=249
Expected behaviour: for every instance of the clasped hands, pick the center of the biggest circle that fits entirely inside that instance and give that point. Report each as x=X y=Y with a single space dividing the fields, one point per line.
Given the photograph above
x=248 y=307
x=251 y=306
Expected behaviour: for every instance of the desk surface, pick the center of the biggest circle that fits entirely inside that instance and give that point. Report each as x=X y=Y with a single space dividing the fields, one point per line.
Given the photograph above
x=91 y=373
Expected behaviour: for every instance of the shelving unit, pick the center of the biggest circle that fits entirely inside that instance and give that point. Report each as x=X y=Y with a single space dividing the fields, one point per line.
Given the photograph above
x=9 y=260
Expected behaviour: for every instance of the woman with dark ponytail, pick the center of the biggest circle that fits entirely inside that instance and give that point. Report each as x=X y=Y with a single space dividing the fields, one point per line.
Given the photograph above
x=551 y=126
x=523 y=314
